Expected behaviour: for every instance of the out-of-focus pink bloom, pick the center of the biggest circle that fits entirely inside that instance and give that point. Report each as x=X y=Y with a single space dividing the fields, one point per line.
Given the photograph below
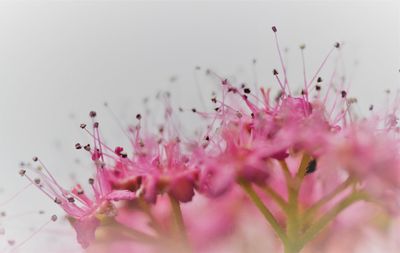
x=370 y=155
x=84 y=211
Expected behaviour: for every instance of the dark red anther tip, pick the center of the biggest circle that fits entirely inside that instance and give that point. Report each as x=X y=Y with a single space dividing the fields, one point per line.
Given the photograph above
x=92 y=114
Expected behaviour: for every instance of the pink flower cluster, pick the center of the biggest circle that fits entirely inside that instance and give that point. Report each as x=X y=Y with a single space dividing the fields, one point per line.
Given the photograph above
x=300 y=157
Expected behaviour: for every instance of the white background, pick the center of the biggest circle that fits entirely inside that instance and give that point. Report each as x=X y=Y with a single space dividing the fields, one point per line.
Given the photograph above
x=60 y=59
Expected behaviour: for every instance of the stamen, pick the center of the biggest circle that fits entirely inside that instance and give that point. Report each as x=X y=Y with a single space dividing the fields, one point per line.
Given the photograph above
x=92 y=114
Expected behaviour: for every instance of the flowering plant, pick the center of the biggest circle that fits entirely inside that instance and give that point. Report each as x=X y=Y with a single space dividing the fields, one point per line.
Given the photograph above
x=300 y=159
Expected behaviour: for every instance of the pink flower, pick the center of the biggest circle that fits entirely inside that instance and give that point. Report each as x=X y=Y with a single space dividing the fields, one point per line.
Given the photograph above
x=85 y=211
x=370 y=155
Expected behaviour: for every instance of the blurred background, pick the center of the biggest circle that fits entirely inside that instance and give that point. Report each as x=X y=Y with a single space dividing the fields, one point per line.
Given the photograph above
x=61 y=59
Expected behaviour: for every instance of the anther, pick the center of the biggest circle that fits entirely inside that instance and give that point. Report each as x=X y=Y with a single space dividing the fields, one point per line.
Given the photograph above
x=138 y=116
x=91 y=181
x=78 y=146
x=22 y=172
x=87 y=147
x=194 y=110
x=54 y=218
x=319 y=80
x=343 y=93
x=371 y=107
x=92 y=114
x=275 y=72
x=214 y=100
x=225 y=82
x=71 y=200
x=37 y=180
x=35 y=158
x=274 y=29
x=317 y=87
x=96 y=124
x=302 y=46
x=246 y=90
x=83 y=126
x=57 y=201
x=337 y=44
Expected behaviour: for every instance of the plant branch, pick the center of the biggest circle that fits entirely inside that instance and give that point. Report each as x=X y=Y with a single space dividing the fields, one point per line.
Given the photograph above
x=324 y=200
x=265 y=211
x=319 y=225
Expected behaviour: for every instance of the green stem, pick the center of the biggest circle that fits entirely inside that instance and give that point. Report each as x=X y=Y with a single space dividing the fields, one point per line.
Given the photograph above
x=276 y=197
x=265 y=211
x=180 y=224
x=302 y=169
x=318 y=226
x=324 y=200
x=293 y=187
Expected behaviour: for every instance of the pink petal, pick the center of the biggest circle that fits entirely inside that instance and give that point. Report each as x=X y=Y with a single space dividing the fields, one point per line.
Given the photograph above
x=117 y=195
x=85 y=230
